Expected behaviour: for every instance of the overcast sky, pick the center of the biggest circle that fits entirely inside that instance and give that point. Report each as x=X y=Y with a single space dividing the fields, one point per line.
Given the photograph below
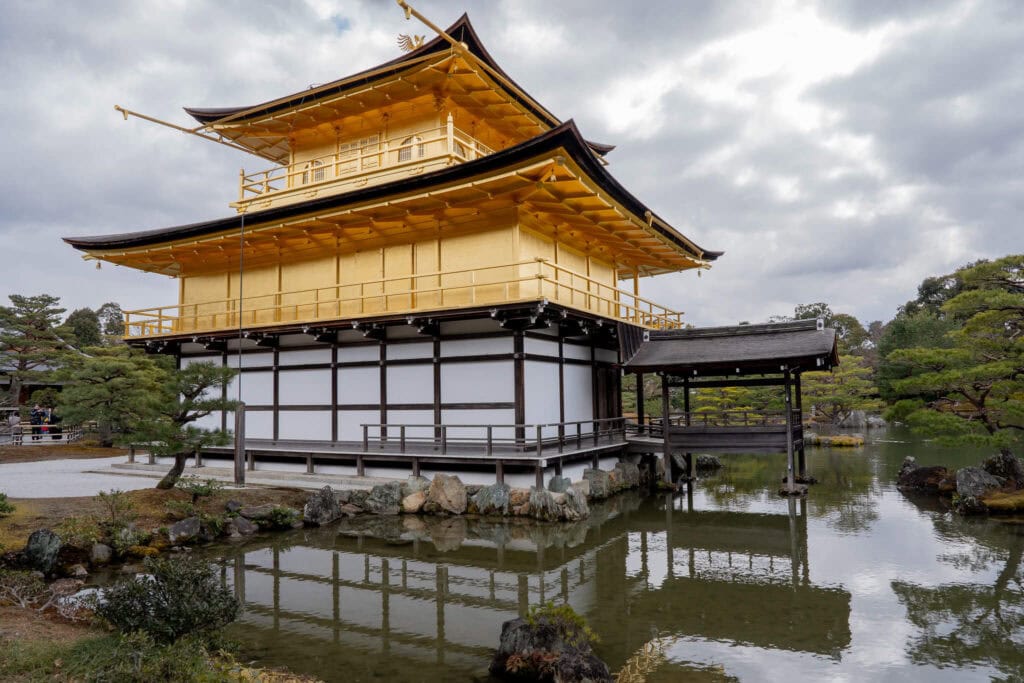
x=836 y=151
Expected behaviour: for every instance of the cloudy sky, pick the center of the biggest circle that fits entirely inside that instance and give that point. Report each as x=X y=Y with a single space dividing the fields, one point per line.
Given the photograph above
x=838 y=151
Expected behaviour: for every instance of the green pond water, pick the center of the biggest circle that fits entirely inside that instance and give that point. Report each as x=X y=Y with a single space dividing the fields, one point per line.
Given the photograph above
x=730 y=581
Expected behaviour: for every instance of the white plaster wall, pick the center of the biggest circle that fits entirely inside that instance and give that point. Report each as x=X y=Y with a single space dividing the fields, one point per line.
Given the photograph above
x=253 y=360
x=354 y=354
x=411 y=384
x=305 y=425
x=541 y=347
x=257 y=388
x=349 y=422
x=579 y=394
x=304 y=356
x=476 y=347
x=576 y=351
x=487 y=382
x=411 y=350
x=412 y=417
x=211 y=422
x=479 y=417
x=259 y=424
x=358 y=385
x=304 y=387
x=541 y=393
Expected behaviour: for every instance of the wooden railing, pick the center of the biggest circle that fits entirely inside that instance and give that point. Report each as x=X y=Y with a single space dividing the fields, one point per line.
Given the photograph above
x=371 y=157
x=652 y=425
x=537 y=279
x=451 y=438
x=44 y=435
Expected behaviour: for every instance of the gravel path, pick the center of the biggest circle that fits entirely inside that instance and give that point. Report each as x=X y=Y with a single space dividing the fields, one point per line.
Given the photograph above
x=65 y=478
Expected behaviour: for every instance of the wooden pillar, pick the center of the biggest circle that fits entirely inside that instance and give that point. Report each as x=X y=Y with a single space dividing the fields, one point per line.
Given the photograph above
x=666 y=441
x=790 y=469
x=802 y=460
x=640 y=398
x=519 y=380
x=239 y=445
x=690 y=469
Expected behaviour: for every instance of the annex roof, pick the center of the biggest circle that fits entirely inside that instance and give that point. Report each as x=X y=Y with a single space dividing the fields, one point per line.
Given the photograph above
x=555 y=176
x=742 y=349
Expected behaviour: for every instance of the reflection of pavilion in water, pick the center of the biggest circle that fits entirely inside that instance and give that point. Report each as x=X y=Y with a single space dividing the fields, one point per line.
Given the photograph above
x=635 y=568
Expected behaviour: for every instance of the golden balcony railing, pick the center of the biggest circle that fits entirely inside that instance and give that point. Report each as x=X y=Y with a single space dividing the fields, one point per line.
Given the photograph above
x=371 y=160
x=530 y=280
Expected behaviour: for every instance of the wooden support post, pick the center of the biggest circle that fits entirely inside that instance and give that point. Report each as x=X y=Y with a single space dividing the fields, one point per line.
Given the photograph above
x=309 y=463
x=360 y=466
x=538 y=470
x=802 y=459
x=240 y=445
x=198 y=455
x=131 y=453
x=665 y=429
x=499 y=472
x=152 y=456
x=415 y=467
x=640 y=400
x=790 y=470
x=251 y=458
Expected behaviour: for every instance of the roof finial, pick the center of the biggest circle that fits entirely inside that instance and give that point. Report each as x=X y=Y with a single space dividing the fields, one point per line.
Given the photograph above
x=409 y=43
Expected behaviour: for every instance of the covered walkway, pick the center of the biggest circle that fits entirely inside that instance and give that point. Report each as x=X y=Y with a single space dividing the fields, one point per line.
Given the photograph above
x=773 y=354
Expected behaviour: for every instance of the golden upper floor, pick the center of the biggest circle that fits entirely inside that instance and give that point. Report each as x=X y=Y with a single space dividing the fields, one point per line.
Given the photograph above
x=418 y=185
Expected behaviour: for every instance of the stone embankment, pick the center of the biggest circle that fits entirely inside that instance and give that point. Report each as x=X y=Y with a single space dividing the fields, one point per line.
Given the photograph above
x=443 y=496
x=446 y=495
x=994 y=487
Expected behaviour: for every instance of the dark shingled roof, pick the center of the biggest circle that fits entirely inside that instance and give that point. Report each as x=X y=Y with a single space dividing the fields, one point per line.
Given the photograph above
x=565 y=136
x=462 y=30
x=758 y=349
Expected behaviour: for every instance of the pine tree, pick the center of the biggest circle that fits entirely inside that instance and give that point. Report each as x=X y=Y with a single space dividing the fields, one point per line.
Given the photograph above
x=31 y=342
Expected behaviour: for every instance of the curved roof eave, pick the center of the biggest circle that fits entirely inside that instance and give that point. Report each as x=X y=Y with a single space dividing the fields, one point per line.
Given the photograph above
x=462 y=30
x=566 y=137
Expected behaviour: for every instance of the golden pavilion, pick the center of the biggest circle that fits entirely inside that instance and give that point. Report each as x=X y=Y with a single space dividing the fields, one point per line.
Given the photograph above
x=427 y=262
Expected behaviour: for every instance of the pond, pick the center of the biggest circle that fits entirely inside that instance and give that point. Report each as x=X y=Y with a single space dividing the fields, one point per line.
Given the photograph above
x=727 y=581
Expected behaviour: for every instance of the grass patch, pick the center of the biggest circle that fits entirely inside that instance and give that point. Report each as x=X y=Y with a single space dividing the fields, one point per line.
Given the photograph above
x=1005 y=503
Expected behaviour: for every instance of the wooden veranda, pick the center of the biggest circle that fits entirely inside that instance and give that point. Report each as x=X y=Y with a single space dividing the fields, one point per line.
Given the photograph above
x=742 y=356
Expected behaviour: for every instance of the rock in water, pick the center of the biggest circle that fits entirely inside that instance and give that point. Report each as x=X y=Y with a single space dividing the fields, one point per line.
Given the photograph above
x=385 y=499
x=575 y=505
x=446 y=495
x=321 y=508
x=414 y=502
x=493 y=500
x=413 y=484
x=184 y=531
x=629 y=474
x=549 y=649
x=245 y=527
x=600 y=486
x=257 y=512
x=708 y=463
x=41 y=550
x=1007 y=466
x=975 y=482
x=558 y=484
x=930 y=479
x=543 y=505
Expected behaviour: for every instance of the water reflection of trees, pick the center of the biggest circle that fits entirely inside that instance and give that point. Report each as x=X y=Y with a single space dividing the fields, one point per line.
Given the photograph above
x=846 y=496
x=971 y=624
